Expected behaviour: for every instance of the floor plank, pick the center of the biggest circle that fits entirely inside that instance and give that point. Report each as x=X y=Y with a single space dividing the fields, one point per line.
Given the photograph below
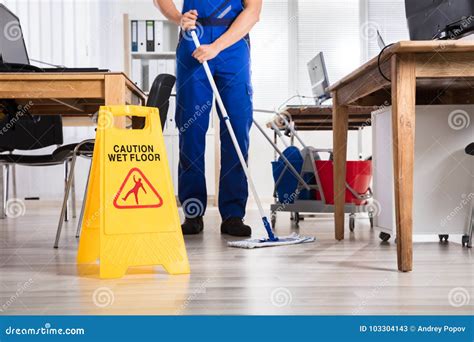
x=355 y=276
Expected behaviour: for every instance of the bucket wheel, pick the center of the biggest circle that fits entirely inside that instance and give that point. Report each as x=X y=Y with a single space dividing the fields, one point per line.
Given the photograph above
x=443 y=237
x=465 y=240
x=371 y=219
x=297 y=217
x=352 y=222
x=384 y=236
x=273 y=219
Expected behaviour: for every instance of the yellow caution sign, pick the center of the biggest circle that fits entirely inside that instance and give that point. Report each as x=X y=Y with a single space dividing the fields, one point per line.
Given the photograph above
x=131 y=217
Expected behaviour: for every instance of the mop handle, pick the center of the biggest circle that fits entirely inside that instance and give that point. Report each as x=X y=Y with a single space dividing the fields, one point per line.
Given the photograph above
x=226 y=119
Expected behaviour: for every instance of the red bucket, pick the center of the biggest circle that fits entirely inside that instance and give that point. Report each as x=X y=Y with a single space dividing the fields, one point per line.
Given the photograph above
x=358 y=176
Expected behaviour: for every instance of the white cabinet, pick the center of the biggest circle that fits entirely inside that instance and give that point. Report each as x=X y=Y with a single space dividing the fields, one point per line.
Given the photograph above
x=443 y=177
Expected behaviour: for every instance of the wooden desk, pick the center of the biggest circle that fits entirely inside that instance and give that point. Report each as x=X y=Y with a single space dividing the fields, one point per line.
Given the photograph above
x=421 y=73
x=319 y=118
x=73 y=95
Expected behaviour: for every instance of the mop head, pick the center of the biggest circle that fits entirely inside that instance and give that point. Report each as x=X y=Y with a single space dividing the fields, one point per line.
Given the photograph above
x=293 y=239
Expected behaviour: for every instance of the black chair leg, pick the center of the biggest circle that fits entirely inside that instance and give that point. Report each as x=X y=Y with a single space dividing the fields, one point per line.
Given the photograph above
x=66 y=216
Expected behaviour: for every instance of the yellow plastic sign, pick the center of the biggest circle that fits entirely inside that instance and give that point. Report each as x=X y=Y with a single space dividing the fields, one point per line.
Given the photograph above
x=131 y=216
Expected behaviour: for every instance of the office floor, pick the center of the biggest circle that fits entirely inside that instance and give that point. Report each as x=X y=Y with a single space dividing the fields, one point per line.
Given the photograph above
x=356 y=276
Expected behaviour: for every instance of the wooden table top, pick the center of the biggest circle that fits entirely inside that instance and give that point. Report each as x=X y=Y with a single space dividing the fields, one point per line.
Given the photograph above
x=444 y=75
x=444 y=46
x=72 y=94
x=319 y=118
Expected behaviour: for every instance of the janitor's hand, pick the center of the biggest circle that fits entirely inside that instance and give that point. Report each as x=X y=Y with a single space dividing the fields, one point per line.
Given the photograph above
x=206 y=52
x=188 y=20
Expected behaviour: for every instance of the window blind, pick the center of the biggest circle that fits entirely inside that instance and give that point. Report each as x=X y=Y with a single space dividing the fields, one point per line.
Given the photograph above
x=332 y=27
x=388 y=16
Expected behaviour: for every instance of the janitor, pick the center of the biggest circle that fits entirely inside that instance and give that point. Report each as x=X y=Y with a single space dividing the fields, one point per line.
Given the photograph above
x=223 y=28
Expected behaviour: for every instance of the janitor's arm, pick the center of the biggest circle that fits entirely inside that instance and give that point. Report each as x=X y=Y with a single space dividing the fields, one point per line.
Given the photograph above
x=239 y=29
x=187 y=21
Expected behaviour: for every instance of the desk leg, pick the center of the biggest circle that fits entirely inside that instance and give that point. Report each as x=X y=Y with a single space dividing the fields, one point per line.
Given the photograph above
x=403 y=126
x=115 y=94
x=340 y=127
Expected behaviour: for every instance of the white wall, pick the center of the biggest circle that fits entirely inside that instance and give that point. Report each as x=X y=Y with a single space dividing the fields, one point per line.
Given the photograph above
x=90 y=33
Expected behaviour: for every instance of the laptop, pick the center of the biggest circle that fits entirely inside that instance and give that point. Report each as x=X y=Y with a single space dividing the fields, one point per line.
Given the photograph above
x=318 y=76
x=13 y=52
x=380 y=41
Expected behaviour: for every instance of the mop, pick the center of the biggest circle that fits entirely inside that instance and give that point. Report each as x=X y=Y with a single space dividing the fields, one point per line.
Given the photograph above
x=272 y=240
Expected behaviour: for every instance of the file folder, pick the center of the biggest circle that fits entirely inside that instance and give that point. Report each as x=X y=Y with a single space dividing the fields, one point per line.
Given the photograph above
x=141 y=36
x=150 y=36
x=134 y=34
x=159 y=33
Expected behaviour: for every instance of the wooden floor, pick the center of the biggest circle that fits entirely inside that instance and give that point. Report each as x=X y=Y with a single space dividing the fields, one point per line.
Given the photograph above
x=356 y=276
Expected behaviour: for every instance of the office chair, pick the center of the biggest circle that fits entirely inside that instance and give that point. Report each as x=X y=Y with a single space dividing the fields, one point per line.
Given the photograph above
x=160 y=94
x=23 y=132
x=158 y=97
x=467 y=239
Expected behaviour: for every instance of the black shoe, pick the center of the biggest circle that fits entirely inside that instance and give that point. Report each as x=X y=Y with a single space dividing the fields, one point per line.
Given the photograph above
x=235 y=227
x=192 y=226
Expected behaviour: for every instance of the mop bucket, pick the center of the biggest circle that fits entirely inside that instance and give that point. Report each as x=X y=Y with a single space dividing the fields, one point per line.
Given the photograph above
x=286 y=183
x=358 y=177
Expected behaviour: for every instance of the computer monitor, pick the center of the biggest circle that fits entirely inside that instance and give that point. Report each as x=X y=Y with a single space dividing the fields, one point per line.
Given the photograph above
x=439 y=19
x=319 y=78
x=12 y=44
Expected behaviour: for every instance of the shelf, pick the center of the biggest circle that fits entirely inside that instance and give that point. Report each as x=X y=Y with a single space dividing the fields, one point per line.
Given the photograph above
x=153 y=55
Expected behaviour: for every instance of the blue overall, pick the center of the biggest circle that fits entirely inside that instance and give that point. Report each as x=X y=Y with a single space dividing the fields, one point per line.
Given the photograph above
x=231 y=71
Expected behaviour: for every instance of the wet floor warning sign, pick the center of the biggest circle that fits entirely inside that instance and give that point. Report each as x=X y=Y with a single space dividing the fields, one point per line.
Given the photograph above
x=137 y=192
x=131 y=217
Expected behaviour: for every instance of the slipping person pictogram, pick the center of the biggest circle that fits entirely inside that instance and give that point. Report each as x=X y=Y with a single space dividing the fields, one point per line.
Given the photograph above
x=138 y=185
x=136 y=188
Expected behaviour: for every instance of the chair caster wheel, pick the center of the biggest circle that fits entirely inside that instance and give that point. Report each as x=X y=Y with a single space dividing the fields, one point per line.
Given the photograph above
x=384 y=236
x=465 y=241
x=273 y=219
x=443 y=237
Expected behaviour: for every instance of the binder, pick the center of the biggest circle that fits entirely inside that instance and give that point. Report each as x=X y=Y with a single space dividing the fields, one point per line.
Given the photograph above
x=134 y=34
x=137 y=72
x=159 y=36
x=150 y=36
x=141 y=36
